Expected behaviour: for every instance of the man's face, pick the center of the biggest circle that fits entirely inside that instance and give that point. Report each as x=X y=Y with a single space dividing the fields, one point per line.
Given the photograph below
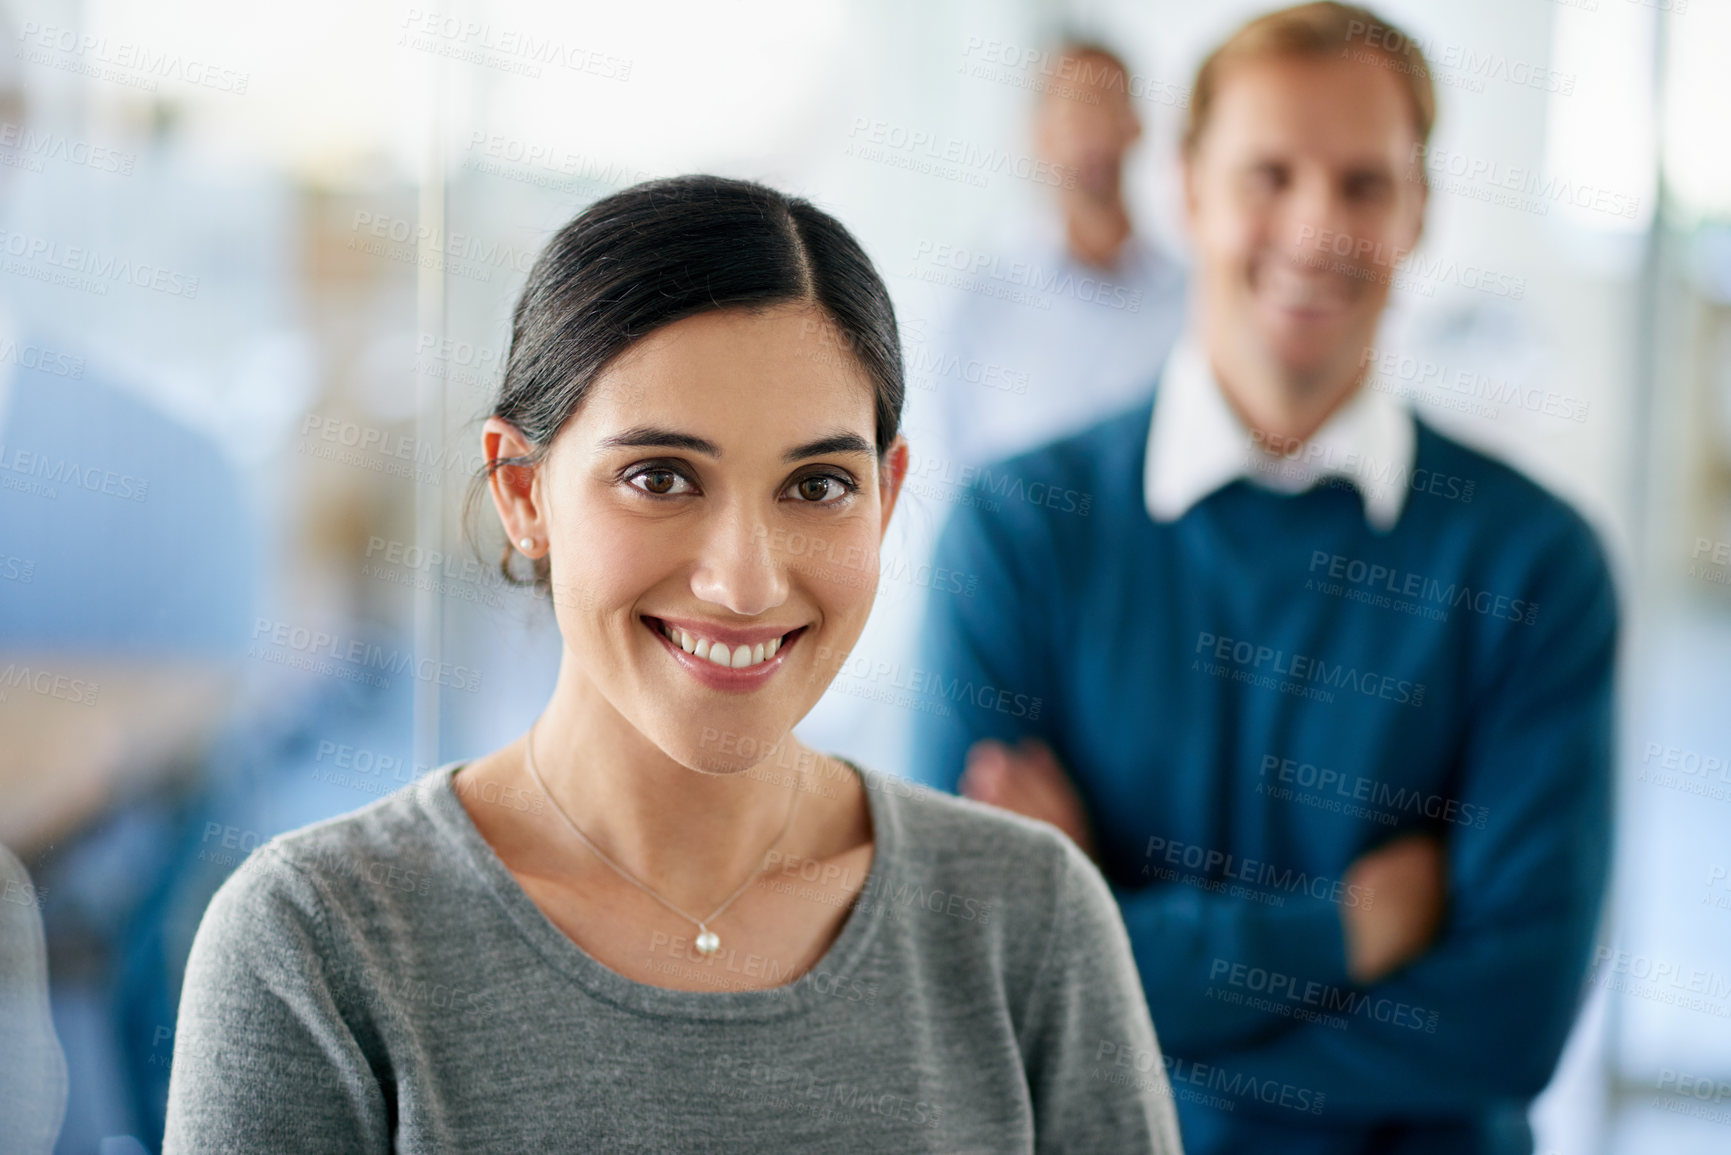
x=1085 y=124
x=1301 y=199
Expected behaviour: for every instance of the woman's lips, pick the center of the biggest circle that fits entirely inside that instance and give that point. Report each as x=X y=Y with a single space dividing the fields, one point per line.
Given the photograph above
x=761 y=658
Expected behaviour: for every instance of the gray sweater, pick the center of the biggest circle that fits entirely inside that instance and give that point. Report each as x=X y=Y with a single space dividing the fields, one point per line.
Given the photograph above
x=32 y=1065
x=380 y=982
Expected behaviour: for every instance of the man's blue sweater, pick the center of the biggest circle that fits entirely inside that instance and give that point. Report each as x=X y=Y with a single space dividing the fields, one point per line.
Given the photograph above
x=1254 y=695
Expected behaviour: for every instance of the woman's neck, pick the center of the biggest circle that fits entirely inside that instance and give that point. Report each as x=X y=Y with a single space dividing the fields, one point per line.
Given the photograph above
x=690 y=836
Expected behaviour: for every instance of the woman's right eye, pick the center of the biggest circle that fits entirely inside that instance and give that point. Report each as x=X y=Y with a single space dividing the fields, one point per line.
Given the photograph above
x=658 y=482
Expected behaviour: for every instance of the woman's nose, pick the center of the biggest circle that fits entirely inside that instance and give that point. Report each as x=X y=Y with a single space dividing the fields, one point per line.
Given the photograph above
x=736 y=568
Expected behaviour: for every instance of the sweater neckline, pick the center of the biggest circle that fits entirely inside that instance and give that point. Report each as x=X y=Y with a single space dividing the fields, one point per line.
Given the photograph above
x=438 y=798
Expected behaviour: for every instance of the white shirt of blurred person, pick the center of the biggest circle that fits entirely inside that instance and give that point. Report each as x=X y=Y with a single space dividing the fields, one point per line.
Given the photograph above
x=1072 y=320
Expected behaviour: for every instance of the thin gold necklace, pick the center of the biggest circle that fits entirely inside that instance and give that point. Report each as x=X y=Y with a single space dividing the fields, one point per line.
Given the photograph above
x=707 y=941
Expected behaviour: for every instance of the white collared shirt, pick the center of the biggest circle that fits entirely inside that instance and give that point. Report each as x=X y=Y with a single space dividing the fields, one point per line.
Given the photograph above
x=1036 y=345
x=1197 y=443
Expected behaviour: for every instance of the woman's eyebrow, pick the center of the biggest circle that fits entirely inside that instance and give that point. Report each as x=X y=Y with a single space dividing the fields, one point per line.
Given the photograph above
x=651 y=436
x=643 y=436
x=834 y=443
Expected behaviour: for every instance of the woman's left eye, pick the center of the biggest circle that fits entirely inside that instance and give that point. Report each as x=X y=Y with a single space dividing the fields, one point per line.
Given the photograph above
x=821 y=489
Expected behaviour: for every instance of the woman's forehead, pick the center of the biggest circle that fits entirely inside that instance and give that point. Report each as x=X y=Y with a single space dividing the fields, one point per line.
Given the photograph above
x=728 y=366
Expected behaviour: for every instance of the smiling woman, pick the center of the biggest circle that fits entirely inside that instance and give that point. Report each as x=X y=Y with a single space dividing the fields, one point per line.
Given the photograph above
x=657 y=921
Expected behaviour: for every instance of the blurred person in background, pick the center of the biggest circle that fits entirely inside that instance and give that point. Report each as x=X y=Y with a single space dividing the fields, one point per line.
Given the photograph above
x=1100 y=305
x=1327 y=694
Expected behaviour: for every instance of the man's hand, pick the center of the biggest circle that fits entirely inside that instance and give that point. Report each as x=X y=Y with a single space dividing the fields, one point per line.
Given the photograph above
x=1027 y=779
x=1402 y=884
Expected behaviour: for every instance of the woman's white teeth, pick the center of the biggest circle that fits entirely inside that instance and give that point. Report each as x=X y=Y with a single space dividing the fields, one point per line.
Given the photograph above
x=736 y=657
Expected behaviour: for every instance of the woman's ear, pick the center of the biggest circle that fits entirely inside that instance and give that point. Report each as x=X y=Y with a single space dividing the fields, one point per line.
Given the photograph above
x=516 y=495
x=895 y=471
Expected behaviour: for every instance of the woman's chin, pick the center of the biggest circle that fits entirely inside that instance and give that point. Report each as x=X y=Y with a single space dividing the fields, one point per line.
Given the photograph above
x=723 y=748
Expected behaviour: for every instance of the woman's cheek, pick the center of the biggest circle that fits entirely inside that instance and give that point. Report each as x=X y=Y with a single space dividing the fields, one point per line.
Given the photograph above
x=838 y=564
x=594 y=573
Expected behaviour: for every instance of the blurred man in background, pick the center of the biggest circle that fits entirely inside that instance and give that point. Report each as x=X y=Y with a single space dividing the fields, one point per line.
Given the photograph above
x=1107 y=303
x=1327 y=694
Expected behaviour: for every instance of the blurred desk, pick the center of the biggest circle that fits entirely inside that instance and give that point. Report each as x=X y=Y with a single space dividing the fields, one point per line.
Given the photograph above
x=79 y=733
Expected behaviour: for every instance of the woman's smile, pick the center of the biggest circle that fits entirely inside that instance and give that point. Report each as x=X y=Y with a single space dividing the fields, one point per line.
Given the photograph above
x=724 y=657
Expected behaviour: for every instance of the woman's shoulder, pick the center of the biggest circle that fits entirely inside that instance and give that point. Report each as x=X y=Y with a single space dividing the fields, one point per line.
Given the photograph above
x=1018 y=866
x=937 y=821
x=386 y=846
x=983 y=889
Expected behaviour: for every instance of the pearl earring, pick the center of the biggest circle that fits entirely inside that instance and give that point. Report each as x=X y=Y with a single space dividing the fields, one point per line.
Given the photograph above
x=526 y=544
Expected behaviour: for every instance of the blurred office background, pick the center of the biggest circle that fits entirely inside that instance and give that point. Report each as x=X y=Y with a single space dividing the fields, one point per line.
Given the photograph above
x=256 y=266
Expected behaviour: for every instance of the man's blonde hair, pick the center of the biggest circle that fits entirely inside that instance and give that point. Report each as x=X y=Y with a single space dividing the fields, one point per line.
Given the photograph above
x=1321 y=31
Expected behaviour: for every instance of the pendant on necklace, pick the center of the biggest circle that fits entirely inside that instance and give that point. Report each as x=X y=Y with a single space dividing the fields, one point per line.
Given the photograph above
x=708 y=942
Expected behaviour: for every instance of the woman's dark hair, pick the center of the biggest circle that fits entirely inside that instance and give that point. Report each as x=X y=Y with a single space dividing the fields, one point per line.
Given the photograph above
x=664 y=250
